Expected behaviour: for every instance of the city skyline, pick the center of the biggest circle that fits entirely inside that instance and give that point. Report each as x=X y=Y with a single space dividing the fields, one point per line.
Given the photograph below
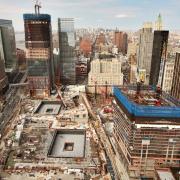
x=125 y=15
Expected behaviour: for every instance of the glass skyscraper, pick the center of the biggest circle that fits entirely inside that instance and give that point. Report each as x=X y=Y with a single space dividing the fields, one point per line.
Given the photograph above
x=67 y=51
x=9 y=45
x=159 y=53
x=3 y=77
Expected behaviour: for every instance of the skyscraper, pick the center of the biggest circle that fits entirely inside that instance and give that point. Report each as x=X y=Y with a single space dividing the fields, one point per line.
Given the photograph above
x=3 y=77
x=175 y=91
x=121 y=41
x=67 y=61
x=39 y=52
x=159 y=23
x=9 y=45
x=144 y=53
x=159 y=54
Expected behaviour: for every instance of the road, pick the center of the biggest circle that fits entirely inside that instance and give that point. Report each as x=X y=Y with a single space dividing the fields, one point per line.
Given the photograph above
x=118 y=169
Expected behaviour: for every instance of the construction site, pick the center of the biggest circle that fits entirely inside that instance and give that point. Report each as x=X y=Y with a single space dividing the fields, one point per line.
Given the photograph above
x=75 y=134
x=53 y=138
x=146 y=130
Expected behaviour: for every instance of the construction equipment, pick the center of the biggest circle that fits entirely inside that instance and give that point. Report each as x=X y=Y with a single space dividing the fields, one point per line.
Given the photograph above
x=59 y=93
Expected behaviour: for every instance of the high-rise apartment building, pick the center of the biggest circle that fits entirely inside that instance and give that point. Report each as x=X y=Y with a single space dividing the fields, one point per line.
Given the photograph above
x=175 y=91
x=67 y=63
x=121 y=41
x=39 y=53
x=9 y=45
x=159 y=53
x=144 y=54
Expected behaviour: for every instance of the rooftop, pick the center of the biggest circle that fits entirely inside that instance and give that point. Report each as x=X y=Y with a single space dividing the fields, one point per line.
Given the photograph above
x=68 y=143
x=147 y=103
x=37 y=17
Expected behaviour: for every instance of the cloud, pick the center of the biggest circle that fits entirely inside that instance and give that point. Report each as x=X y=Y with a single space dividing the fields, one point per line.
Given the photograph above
x=124 y=16
x=78 y=18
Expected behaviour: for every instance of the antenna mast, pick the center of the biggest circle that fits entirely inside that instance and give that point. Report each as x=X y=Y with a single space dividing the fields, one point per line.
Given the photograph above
x=37 y=7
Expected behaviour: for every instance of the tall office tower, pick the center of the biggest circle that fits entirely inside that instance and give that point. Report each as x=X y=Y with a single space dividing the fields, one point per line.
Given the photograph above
x=3 y=77
x=9 y=45
x=121 y=41
x=144 y=53
x=159 y=23
x=167 y=73
x=39 y=53
x=159 y=54
x=175 y=91
x=67 y=63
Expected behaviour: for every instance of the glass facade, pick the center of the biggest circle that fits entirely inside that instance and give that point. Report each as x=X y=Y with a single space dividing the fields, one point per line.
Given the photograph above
x=38 y=41
x=67 y=51
x=9 y=45
x=158 y=54
x=3 y=77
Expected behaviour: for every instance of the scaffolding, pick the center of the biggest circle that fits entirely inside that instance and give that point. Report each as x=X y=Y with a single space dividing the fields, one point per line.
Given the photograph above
x=146 y=111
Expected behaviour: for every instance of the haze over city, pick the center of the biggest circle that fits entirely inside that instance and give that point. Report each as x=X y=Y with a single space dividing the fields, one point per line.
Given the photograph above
x=124 y=14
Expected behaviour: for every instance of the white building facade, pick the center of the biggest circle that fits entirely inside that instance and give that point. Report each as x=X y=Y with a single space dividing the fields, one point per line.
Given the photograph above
x=105 y=71
x=144 y=54
x=168 y=76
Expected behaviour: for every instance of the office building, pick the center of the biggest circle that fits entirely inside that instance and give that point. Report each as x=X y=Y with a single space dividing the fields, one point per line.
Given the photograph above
x=100 y=44
x=9 y=45
x=121 y=41
x=3 y=77
x=167 y=75
x=85 y=47
x=159 y=53
x=38 y=41
x=144 y=53
x=105 y=71
x=21 y=58
x=175 y=91
x=146 y=129
x=82 y=69
x=67 y=51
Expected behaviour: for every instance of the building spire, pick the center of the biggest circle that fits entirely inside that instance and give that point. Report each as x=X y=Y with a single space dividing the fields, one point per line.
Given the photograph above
x=37 y=7
x=159 y=23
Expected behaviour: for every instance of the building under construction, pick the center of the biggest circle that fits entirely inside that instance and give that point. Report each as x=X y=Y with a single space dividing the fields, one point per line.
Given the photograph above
x=146 y=129
x=39 y=52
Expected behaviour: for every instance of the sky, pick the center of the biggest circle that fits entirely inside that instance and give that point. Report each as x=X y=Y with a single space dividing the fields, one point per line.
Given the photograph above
x=121 y=14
